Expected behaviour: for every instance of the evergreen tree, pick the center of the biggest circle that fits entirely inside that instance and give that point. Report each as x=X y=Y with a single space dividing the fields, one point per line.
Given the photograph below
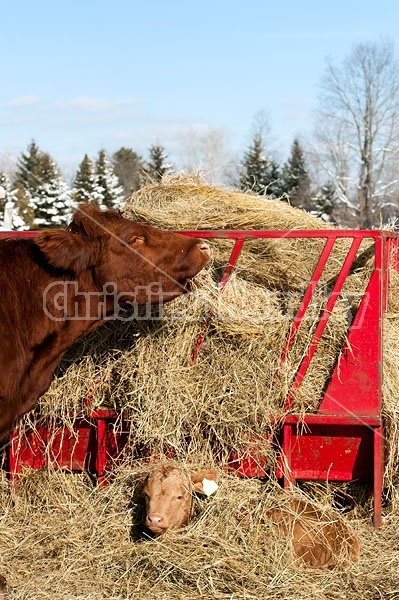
x=5 y=184
x=260 y=173
x=28 y=172
x=41 y=186
x=255 y=167
x=295 y=178
x=110 y=193
x=52 y=199
x=274 y=187
x=325 y=202
x=85 y=184
x=128 y=167
x=157 y=167
x=23 y=211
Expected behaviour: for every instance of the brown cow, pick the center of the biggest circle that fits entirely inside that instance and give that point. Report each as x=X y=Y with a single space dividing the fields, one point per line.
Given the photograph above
x=60 y=285
x=319 y=541
x=168 y=492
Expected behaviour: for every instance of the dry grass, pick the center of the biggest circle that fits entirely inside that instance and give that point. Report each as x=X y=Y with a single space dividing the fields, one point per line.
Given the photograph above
x=62 y=538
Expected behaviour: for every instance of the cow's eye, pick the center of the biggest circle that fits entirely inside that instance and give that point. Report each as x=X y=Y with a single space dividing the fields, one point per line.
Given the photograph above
x=179 y=497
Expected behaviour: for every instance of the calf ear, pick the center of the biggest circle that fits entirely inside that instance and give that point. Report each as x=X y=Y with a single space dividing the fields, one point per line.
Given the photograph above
x=67 y=251
x=204 y=482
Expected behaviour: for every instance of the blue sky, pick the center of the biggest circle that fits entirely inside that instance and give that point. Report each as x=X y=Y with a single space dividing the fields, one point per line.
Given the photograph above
x=81 y=76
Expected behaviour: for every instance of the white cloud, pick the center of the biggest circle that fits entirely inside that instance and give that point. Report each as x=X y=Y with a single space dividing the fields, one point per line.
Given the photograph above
x=86 y=103
x=28 y=100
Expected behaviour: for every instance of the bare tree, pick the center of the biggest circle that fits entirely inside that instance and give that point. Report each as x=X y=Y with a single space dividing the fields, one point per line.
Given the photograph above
x=358 y=130
x=207 y=151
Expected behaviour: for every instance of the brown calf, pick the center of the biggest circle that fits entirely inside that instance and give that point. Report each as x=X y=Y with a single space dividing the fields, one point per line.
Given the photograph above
x=317 y=541
x=168 y=492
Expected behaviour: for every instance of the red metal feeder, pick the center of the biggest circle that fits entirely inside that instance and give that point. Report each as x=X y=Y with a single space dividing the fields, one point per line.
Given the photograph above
x=342 y=441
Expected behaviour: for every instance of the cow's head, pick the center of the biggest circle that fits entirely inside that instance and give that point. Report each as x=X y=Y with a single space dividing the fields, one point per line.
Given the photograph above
x=145 y=265
x=168 y=491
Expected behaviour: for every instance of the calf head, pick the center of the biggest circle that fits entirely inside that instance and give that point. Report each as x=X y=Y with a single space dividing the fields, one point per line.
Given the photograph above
x=168 y=492
x=144 y=264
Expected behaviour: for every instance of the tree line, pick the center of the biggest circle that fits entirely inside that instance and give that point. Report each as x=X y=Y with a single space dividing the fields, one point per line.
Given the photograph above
x=346 y=174
x=42 y=198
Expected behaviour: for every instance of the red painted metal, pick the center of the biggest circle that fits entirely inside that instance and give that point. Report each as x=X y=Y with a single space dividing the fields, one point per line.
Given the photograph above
x=90 y=443
x=342 y=441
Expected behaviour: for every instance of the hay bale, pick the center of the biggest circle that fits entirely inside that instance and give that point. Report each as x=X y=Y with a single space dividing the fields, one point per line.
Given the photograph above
x=184 y=202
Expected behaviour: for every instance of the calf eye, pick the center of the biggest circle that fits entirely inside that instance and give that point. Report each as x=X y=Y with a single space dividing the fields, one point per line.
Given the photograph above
x=179 y=497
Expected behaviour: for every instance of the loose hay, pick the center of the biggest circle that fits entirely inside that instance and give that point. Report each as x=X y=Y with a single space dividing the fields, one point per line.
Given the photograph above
x=79 y=538
x=61 y=538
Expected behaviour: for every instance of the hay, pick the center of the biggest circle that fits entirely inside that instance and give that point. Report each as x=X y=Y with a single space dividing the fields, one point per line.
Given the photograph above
x=186 y=203
x=79 y=537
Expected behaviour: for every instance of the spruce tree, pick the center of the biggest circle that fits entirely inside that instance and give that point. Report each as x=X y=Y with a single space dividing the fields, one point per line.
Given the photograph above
x=295 y=178
x=85 y=184
x=255 y=166
x=110 y=193
x=28 y=172
x=260 y=173
x=41 y=185
x=324 y=203
x=156 y=166
x=129 y=168
x=5 y=184
x=24 y=211
x=52 y=199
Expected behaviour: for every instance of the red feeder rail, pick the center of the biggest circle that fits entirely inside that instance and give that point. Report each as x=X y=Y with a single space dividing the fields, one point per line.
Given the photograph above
x=342 y=441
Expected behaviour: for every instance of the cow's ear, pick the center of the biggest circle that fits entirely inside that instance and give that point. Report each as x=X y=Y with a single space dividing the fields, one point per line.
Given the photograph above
x=68 y=251
x=87 y=221
x=205 y=482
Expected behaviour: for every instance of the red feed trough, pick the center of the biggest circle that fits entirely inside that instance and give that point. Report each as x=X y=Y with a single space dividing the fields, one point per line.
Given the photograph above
x=342 y=441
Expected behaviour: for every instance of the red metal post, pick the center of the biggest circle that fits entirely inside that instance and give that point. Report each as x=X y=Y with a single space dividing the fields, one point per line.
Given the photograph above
x=12 y=455
x=101 y=457
x=378 y=475
x=288 y=478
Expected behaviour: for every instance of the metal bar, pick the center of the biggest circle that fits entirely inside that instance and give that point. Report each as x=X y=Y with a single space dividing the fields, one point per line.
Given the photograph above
x=235 y=253
x=288 y=480
x=17 y=234
x=308 y=296
x=244 y=234
x=252 y=233
x=303 y=367
x=321 y=419
x=13 y=456
x=101 y=457
x=378 y=476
